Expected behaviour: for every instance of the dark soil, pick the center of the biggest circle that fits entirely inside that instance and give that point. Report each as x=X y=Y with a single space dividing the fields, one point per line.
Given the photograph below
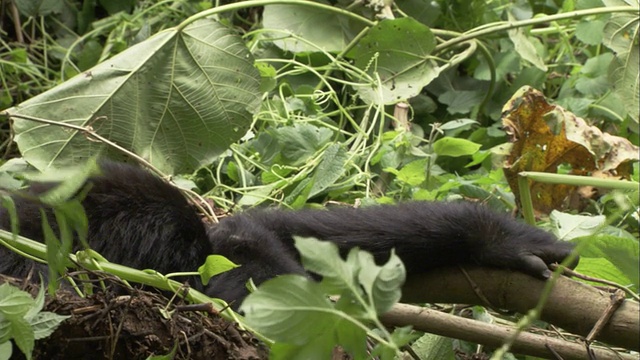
x=131 y=324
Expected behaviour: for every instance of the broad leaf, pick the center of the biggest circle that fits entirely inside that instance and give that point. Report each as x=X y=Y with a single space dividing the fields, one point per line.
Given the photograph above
x=434 y=347
x=293 y=311
x=398 y=53
x=461 y=101
x=23 y=336
x=331 y=167
x=595 y=81
x=604 y=269
x=177 y=99
x=45 y=323
x=621 y=36
x=300 y=304
x=5 y=329
x=322 y=258
x=14 y=303
x=299 y=142
x=449 y=146
x=569 y=226
x=590 y=31
x=214 y=265
x=381 y=283
x=414 y=173
x=307 y=29
x=524 y=46
x=621 y=252
x=6 y=348
x=37 y=8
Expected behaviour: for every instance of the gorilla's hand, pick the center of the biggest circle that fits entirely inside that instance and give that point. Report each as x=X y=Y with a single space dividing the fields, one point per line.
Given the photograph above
x=525 y=248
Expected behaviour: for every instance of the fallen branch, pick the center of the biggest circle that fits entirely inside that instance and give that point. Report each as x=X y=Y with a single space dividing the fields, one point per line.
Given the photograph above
x=571 y=305
x=436 y=322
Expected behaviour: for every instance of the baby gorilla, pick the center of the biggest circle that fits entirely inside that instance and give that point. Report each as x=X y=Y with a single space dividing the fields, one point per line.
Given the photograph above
x=138 y=220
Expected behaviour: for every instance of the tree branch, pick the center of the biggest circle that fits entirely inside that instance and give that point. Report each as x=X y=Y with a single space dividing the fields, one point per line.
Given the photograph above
x=574 y=306
x=436 y=322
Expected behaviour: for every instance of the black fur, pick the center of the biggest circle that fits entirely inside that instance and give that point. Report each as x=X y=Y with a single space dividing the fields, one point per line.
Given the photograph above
x=135 y=219
x=425 y=236
x=140 y=221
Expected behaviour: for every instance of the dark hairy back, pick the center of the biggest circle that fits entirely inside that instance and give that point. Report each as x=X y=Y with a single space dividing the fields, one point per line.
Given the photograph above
x=135 y=219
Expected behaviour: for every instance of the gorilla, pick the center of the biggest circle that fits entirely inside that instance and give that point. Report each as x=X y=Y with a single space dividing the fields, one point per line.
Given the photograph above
x=138 y=220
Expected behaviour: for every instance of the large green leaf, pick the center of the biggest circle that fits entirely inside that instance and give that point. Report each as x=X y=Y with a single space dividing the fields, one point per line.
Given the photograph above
x=381 y=283
x=323 y=258
x=524 y=46
x=602 y=268
x=14 y=302
x=594 y=81
x=330 y=169
x=570 y=226
x=34 y=8
x=398 y=53
x=414 y=173
x=434 y=347
x=23 y=336
x=620 y=253
x=178 y=99
x=293 y=309
x=312 y=30
x=590 y=31
x=455 y=147
x=6 y=349
x=621 y=36
x=300 y=142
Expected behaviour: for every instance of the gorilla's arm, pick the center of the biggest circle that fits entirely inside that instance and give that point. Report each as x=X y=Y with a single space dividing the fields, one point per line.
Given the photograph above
x=424 y=235
x=427 y=235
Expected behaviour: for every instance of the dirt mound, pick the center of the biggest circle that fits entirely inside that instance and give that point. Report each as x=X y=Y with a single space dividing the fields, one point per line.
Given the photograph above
x=135 y=324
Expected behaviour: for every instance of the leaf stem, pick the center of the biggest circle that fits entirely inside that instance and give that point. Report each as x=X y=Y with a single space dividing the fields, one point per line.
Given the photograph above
x=502 y=26
x=577 y=180
x=39 y=250
x=201 y=204
x=256 y=3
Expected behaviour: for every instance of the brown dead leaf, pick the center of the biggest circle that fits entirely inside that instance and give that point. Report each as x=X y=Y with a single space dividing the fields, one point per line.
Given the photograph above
x=545 y=136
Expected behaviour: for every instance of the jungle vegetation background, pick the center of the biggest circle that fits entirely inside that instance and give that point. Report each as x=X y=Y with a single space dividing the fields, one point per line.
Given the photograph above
x=300 y=104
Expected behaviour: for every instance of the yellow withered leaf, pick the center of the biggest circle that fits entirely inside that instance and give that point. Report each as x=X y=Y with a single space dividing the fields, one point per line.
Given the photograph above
x=545 y=136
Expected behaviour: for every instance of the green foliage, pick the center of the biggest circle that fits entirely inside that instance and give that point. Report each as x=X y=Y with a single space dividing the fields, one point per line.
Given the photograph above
x=23 y=321
x=396 y=54
x=295 y=312
x=433 y=347
x=65 y=201
x=175 y=70
x=611 y=257
x=620 y=34
x=309 y=26
x=606 y=256
x=214 y=265
x=455 y=147
x=568 y=227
